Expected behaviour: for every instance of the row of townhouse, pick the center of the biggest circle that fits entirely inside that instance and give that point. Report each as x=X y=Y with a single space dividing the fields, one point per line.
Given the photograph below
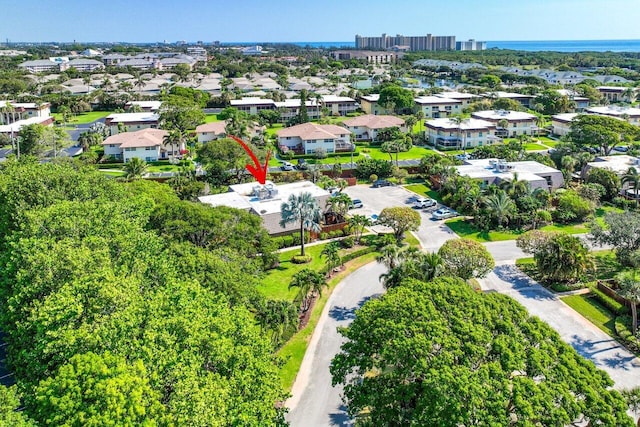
x=11 y=111
x=61 y=64
x=147 y=144
x=483 y=128
x=561 y=123
x=337 y=106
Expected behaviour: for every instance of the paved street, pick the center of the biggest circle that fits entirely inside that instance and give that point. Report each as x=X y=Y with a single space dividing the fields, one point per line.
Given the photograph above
x=315 y=402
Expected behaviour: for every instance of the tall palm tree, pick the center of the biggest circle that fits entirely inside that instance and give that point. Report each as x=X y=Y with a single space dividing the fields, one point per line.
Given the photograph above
x=629 y=288
x=457 y=120
x=173 y=138
x=135 y=168
x=420 y=119
x=632 y=177
x=515 y=187
x=277 y=316
x=389 y=256
x=501 y=207
x=302 y=208
x=339 y=204
x=569 y=164
x=331 y=253
x=357 y=224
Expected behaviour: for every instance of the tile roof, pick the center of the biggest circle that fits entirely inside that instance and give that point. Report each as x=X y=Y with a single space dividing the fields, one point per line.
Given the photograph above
x=312 y=131
x=374 y=122
x=141 y=138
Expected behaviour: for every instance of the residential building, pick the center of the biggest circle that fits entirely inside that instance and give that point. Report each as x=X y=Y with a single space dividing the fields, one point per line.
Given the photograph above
x=11 y=111
x=630 y=114
x=617 y=93
x=471 y=44
x=367 y=127
x=266 y=201
x=619 y=164
x=83 y=65
x=13 y=128
x=131 y=121
x=413 y=43
x=369 y=104
x=215 y=130
x=561 y=123
x=519 y=123
x=114 y=59
x=146 y=106
x=146 y=144
x=40 y=66
x=252 y=106
x=253 y=50
x=372 y=57
x=290 y=108
x=198 y=53
x=581 y=102
x=307 y=137
x=339 y=105
x=435 y=107
x=495 y=171
x=525 y=100
x=464 y=98
x=448 y=134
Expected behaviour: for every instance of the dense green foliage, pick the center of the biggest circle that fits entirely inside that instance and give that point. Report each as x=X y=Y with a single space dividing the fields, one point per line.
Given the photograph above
x=441 y=354
x=92 y=289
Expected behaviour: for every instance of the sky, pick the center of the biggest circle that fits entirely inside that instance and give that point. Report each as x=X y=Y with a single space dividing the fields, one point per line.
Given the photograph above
x=315 y=20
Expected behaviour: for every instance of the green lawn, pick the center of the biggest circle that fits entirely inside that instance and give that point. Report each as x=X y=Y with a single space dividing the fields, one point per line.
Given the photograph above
x=593 y=311
x=416 y=152
x=293 y=351
x=83 y=118
x=547 y=141
x=424 y=190
x=532 y=146
x=211 y=118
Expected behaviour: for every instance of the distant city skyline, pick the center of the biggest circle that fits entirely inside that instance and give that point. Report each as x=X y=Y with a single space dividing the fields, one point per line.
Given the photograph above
x=330 y=20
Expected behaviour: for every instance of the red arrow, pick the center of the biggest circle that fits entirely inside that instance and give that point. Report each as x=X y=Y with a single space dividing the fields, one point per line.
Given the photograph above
x=258 y=171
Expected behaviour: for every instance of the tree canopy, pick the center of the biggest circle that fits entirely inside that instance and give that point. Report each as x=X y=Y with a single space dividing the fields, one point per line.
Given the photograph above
x=441 y=354
x=396 y=98
x=601 y=132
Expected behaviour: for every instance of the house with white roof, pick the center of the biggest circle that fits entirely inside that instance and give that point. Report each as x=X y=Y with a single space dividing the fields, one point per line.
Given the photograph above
x=11 y=111
x=525 y=100
x=519 y=123
x=494 y=171
x=307 y=137
x=617 y=93
x=463 y=97
x=448 y=134
x=131 y=121
x=146 y=144
x=252 y=106
x=435 y=107
x=215 y=130
x=147 y=106
x=367 y=127
x=369 y=104
x=561 y=123
x=630 y=114
x=619 y=164
x=266 y=201
x=12 y=129
x=339 y=105
x=290 y=108
x=580 y=102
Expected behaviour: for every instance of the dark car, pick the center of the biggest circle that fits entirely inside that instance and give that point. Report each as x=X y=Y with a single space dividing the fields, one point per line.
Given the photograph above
x=381 y=183
x=302 y=165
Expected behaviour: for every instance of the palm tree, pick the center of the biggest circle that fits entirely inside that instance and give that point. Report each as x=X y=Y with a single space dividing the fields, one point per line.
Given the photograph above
x=432 y=265
x=277 y=316
x=310 y=283
x=339 y=205
x=501 y=207
x=420 y=119
x=458 y=122
x=515 y=187
x=389 y=256
x=569 y=164
x=632 y=177
x=357 y=224
x=174 y=137
x=135 y=168
x=629 y=288
x=302 y=208
x=330 y=252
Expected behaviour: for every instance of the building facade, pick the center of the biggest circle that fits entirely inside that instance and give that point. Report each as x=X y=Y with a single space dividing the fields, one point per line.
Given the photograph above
x=412 y=43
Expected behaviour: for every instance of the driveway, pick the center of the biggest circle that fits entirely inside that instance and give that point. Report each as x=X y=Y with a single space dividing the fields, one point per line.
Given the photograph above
x=314 y=401
x=431 y=234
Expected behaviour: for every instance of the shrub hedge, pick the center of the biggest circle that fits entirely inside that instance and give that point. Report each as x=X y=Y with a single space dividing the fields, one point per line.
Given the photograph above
x=611 y=304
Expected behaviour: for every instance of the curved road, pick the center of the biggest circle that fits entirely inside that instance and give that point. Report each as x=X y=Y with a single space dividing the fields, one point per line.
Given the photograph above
x=314 y=401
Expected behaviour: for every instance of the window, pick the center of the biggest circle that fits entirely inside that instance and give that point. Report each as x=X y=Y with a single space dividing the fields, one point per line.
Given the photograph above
x=149 y=148
x=328 y=140
x=479 y=133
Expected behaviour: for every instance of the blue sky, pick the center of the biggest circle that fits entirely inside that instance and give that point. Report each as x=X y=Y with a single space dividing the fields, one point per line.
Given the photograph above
x=315 y=20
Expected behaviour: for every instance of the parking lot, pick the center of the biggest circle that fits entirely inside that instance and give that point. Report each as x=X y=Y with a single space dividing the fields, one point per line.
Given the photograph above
x=431 y=234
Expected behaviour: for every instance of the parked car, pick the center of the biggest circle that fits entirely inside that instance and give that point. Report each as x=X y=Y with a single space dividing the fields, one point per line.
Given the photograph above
x=443 y=213
x=381 y=183
x=286 y=166
x=356 y=204
x=621 y=148
x=302 y=165
x=424 y=202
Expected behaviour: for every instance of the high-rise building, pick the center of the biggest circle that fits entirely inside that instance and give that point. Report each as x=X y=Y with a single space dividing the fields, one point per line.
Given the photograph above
x=414 y=43
x=471 y=44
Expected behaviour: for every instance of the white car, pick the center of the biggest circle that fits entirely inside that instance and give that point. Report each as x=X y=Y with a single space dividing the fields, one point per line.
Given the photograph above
x=443 y=213
x=423 y=202
x=286 y=166
x=356 y=204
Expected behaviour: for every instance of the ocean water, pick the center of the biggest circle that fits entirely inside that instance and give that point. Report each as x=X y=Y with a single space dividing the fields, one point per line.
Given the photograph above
x=569 y=45
x=529 y=45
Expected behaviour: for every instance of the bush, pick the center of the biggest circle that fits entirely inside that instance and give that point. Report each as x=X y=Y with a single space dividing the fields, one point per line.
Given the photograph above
x=299 y=259
x=623 y=330
x=284 y=241
x=572 y=207
x=348 y=242
x=358 y=253
x=373 y=177
x=320 y=153
x=611 y=304
x=335 y=233
x=324 y=236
